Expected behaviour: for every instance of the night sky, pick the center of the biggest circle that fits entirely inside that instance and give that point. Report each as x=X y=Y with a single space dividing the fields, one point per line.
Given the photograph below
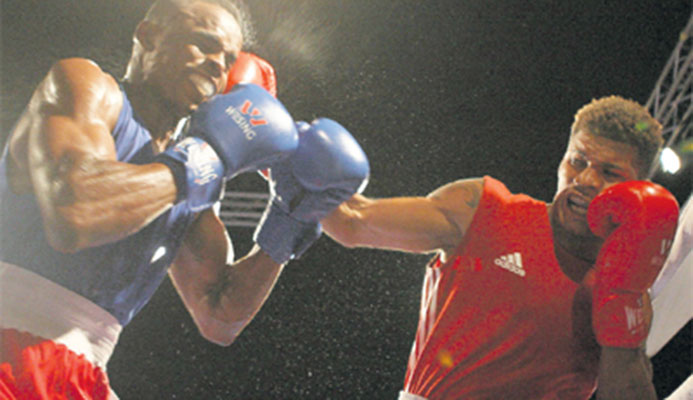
x=434 y=91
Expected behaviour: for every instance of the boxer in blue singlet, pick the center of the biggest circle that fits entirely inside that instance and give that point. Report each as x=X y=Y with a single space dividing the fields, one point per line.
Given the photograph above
x=103 y=192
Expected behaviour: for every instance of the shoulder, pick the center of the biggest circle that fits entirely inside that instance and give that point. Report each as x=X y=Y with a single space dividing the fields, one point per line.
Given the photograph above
x=79 y=87
x=496 y=192
x=459 y=201
x=465 y=191
x=81 y=73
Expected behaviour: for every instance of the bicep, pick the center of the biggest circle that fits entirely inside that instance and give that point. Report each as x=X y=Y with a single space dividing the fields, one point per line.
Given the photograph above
x=70 y=116
x=63 y=151
x=207 y=240
x=412 y=224
x=203 y=257
x=68 y=120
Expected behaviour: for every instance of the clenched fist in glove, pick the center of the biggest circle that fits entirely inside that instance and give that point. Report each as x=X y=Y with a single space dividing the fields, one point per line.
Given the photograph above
x=249 y=68
x=246 y=129
x=637 y=220
x=327 y=168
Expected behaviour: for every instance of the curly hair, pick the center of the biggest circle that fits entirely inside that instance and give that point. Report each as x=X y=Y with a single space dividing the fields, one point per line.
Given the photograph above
x=164 y=10
x=622 y=120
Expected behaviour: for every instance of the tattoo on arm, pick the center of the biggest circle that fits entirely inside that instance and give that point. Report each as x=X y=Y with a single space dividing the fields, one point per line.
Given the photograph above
x=473 y=195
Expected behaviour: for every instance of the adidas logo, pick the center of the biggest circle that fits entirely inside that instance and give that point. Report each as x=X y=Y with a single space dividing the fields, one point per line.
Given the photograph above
x=512 y=262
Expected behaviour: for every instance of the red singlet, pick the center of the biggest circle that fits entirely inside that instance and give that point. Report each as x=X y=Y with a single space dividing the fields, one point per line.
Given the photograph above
x=500 y=319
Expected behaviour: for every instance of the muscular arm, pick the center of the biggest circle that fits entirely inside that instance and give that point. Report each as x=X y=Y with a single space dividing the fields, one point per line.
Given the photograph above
x=221 y=297
x=625 y=374
x=411 y=224
x=63 y=151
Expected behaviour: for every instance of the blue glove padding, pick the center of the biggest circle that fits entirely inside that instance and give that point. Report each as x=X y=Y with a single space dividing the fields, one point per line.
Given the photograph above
x=247 y=127
x=328 y=168
x=197 y=171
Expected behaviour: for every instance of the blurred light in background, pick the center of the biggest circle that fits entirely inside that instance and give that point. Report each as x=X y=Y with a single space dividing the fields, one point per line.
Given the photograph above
x=670 y=161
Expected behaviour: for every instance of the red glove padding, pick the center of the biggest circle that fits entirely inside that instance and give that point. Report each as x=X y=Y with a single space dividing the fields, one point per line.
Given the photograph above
x=637 y=219
x=250 y=68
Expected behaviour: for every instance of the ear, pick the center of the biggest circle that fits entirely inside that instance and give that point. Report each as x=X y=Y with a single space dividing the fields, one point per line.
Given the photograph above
x=146 y=33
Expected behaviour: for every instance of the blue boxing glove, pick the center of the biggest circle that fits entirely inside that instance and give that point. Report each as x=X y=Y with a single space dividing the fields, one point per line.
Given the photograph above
x=248 y=128
x=244 y=130
x=327 y=168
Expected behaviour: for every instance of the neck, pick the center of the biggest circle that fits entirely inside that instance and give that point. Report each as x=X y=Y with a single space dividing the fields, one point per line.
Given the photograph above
x=576 y=254
x=156 y=113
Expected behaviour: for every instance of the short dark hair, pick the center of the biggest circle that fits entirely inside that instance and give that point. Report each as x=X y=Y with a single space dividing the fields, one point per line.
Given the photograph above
x=622 y=120
x=164 y=10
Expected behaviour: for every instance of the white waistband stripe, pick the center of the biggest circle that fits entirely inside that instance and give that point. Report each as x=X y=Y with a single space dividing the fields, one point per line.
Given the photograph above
x=33 y=304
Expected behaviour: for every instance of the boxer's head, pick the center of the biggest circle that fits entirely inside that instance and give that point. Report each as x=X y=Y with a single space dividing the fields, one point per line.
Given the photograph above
x=612 y=140
x=625 y=121
x=183 y=49
x=163 y=11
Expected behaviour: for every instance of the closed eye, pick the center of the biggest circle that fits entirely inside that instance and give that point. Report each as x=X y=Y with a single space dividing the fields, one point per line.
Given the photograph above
x=208 y=44
x=613 y=174
x=230 y=60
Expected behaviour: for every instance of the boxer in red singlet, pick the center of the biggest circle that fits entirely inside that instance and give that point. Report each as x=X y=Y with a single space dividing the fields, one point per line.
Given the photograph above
x=529 y=300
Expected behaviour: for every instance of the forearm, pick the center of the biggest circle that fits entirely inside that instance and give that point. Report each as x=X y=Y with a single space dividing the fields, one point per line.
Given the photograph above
x=89 y=202
x=411 y=224
x=364 y=222
x=224 y=298
x=242 y=290
x=625 y=374
x=346 y=224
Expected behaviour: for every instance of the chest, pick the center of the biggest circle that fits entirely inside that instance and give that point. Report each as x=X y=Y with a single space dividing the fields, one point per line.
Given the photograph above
x=508 y=274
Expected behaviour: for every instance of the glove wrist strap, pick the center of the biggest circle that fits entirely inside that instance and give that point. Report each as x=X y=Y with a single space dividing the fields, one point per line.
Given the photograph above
x=282 y=237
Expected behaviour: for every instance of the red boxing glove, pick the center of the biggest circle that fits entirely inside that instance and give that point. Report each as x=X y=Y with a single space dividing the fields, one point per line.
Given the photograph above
x=638 y=220
x=250 y=68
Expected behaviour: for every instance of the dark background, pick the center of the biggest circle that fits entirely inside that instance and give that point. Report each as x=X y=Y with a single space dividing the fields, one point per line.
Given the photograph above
x=435 y=91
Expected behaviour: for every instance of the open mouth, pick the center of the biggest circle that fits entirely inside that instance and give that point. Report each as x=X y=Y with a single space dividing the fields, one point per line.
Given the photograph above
x=577 y=204
x=204 y=85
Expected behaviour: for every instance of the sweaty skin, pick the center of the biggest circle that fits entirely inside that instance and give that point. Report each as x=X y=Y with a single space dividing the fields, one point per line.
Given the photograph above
x=439 y=221
x=62 y=151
